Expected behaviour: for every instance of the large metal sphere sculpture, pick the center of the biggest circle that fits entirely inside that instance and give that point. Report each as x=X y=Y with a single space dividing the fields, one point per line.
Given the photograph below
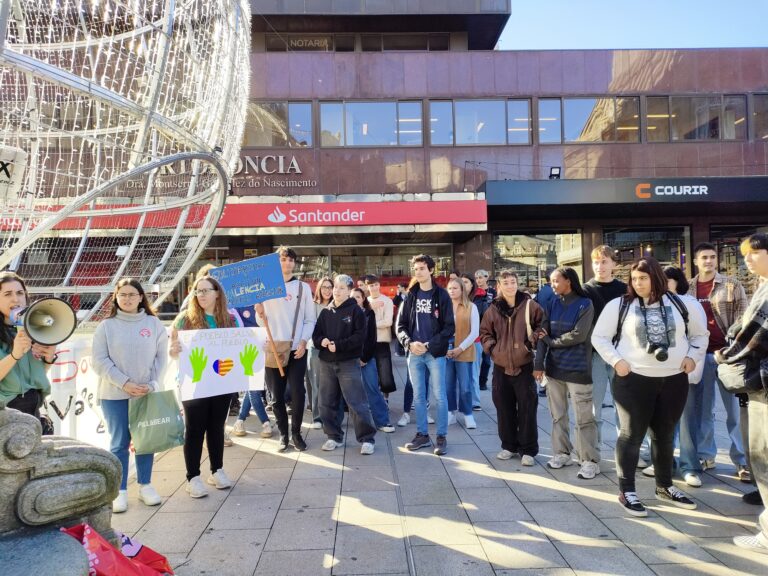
x=120 y=127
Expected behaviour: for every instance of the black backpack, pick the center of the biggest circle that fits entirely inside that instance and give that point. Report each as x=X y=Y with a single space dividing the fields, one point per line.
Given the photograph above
x=624 y=310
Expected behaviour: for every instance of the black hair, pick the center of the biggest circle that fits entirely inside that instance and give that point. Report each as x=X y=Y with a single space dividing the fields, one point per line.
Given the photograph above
x=143 y=305
x=701 y=246
x=471 y=278
x=6 y=333
x=287 y=252
x=674 y=273
x=650 y=266
x=426 y=259
x=573 y=277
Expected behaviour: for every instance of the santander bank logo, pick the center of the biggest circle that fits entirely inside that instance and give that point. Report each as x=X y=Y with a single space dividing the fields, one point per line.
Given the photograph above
x=276 y=217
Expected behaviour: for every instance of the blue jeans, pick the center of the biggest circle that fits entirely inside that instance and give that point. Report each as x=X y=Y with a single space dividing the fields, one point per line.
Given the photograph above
x=116 y=415
x=379 y=408
x=417 y=366
x=314 y=381
x=476 y=368
x=697 y=425
x=602 y=374
x=253 y=399
x=458 y=382
x=408 y=392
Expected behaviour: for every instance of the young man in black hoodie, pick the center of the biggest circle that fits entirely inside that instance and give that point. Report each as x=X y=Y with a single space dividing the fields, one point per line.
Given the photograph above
x=339 y=335
x=424 y=327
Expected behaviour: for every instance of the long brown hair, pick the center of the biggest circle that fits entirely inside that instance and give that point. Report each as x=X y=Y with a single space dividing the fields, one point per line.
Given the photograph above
x=194 y=315
x=6 y=336
x=650 y=266
x=318 y=299
x=143 y=305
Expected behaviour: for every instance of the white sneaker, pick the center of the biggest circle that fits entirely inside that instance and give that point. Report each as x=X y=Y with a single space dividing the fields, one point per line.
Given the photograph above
x=227 y=439
x=316 y=425
x=239 y=428
x=451 y=418
x=149 y=495
x=505 y=455
x=527 y=460
x=469 y=422
x=367 y=448
x=588 y=470
x=559 y=460
x=120 y=504
x=692 y=479
x=330 y=444
x=387 y=428
x=430 y=420
x=220 y=480
x=196 y=488
x=405 y=419
x=266 y=430
x=650 y=471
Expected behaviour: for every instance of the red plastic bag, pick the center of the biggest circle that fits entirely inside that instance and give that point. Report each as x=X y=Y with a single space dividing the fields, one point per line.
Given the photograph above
x=106 y=560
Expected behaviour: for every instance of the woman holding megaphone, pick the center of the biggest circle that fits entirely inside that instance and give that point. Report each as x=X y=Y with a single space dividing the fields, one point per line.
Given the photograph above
x=23 y=379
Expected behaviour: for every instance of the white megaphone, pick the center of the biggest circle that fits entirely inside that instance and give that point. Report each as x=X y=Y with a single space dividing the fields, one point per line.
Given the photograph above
x=49 y=321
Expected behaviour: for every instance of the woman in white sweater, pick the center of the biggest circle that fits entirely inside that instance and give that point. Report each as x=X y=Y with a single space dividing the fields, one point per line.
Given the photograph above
x=130 y=349
x=652 y=348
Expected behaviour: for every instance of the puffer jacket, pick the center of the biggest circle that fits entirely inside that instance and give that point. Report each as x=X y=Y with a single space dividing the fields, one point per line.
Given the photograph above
x=504 y=334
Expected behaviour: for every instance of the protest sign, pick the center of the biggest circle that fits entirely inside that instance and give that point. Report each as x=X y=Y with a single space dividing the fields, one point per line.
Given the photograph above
x=221 y=361
x=251 y=281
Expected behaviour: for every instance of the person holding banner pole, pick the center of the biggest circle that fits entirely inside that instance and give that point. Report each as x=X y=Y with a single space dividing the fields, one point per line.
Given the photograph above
x=204 y=418
x=290 y=319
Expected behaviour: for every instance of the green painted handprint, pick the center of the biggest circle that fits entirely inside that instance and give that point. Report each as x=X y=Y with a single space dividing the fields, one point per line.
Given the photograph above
x=248 y=357
x=198 y=359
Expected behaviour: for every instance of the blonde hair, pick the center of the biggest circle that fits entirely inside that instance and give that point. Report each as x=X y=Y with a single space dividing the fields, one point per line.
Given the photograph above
x=603 y=251
x=464 y=300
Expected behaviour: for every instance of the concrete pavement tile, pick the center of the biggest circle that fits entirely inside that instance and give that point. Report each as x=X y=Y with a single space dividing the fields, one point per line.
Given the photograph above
x=263 y=481
x=720 y=497
x=453 y=561
x=303 y=529
x=138 y=514
x=312 y=493
x=226 y=552
x=464 y=453
x=173 y=460
x=602 y=557
x=181 y=501
x=363 y=550
x=421 y=463
x=492 y=505
x=311 y=466
x=655 y=541
x=488 y=442
x=465 y=474
x=368 y=508
x=367 y=478
x=186 y=528
x=567 y=521
x=380 y=457
x=537 y=572
x=238 y=451
x=737 y=559
x=165 y=482
x=247 y=511
x=533 y=485
x=418 y=490
x=701 y=569
x=295 y=563
x=444 y=525
x=517 y=545
x=269 y=457
x=458 y=436
x=702 y=522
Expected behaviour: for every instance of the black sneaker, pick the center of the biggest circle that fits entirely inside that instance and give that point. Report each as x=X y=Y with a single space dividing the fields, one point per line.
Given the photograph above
x=632 y=504
x=419 y=441
x=283 y=445
x=441 y=447
x=298 y=442
x=676 y=497
x=753 y=498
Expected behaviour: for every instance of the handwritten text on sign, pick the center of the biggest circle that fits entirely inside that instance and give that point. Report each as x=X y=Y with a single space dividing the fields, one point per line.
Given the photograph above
x=251 y=281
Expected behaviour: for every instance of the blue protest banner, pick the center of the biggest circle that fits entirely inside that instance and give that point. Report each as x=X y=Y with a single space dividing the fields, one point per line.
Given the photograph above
x=251 y=281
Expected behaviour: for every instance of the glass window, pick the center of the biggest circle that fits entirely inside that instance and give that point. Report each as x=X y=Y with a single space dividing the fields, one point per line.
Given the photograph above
x=761 y=116
x=533 y=255
x=730 y=262
x=344 y=43
x=300 y=118
x=266 y=125
x=628 y=119
x=518 y=122
x=549 y=121
x=409 y=123
x=480 y=122
x=370 y=42
x=275 y=43
x=406 y=42
x=588 y=119
x=439 y=42
x=657 y=119
x=370 y=123
x=441 y=123
x=695 y=117
x=734 y=125
x=331 y=124
x=668 y=245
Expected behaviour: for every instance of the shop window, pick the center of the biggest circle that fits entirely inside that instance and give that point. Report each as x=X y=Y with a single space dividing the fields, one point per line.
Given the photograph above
x=550 y=121
x=589 y=119
x=727 y=240
x=409 y=123
x=278 y=125
x=441 y=123
x=657 y=119
x=628 y=119
x=518 y=122
x=670 y=246
x=480 y=122
x=760 y=115
x=695 y=117
x=331 y=124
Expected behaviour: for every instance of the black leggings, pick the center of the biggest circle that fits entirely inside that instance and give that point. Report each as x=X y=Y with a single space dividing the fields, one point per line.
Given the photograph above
x=644 y=402
x=294 y=381
x=205 y=418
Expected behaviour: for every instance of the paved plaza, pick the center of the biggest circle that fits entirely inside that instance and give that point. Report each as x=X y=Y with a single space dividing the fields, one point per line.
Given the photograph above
x=466 y=513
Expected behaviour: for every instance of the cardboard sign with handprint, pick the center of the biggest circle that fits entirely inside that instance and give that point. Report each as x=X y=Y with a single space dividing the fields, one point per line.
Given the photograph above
x=221 y=361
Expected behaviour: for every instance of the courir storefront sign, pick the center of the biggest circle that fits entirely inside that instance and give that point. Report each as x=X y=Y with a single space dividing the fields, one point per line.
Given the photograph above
x=270 y=172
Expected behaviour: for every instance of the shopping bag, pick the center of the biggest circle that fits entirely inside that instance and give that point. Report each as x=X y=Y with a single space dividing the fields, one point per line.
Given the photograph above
x=106 y=560
x=155 y=422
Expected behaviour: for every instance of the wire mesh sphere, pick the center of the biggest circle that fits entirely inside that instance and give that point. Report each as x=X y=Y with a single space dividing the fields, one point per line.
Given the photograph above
x=120 y=127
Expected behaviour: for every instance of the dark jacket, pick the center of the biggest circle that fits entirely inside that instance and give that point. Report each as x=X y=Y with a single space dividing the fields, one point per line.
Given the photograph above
x=345 y=326
x=482 y=300
x=504 y=333
x=442 y=320
x=369 y=343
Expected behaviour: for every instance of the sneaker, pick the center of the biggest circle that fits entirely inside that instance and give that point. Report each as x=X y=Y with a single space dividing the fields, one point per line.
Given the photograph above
x=505 y=455
x=469 y=422
x=220 y=480
x=451 y=418
x=316 y=425
x=755 y=543
x=367 y=448
x=120 y=504
x=330 y=445
x=753 y=498
x=405 y=419
x=676 y=497
x=527 y=460
x=430 y=420
x=227 y=439
x=298 y=442
x=559 y=460
x=239 y=428
x=196 y=488
x=642 y=462
x=441 y=447
x=650 y=471
x=744 y=474
x=419 y=441
x=632 y=504
x=588 y=470
x=708 y=464
x=149 y=495
x=266 y=430
x=283 y=445
x=692 y=479
x=388 y=428
x=477 y=408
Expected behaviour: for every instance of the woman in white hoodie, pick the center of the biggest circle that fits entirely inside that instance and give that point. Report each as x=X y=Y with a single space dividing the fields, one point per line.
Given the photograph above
x=130 y=351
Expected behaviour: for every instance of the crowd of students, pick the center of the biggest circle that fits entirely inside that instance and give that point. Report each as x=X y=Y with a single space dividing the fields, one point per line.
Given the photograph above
x=657 y=342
